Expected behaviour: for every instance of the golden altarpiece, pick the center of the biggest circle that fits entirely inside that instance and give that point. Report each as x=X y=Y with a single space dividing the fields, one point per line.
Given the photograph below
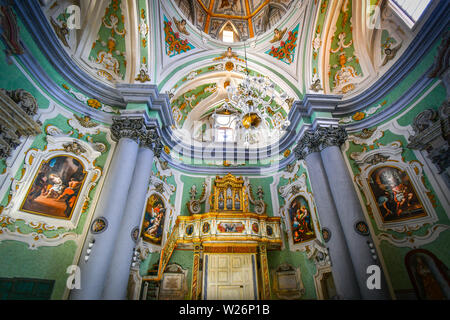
x=230 y=245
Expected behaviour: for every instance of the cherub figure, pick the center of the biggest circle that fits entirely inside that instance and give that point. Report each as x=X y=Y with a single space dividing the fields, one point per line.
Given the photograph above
x=277 y=35
x=181 y=26
x=61 y=31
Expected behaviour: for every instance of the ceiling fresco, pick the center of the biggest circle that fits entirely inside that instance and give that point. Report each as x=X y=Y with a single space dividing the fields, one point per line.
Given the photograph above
x=303 y=47
x=246 y=18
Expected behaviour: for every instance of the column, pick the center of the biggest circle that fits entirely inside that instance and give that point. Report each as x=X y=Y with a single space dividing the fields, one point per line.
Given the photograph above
x=349 y=210
x=109 y=211
x=341 y=263
x=265 y=290
x=195 y=286
x=116 y=283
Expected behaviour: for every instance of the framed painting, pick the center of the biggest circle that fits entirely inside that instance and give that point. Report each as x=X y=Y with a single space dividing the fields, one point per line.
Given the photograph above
x=153 y=223
x=394 y=194
x=55 y=189
x=301 y=223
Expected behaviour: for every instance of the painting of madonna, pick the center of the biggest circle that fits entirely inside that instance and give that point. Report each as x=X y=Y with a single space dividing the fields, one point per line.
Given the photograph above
x=55 y=188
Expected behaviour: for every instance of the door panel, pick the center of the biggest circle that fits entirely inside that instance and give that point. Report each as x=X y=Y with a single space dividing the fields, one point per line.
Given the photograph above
x=229 y=276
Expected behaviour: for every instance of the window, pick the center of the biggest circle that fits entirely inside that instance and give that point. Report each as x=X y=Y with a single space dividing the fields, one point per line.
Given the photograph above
x=224 y=128
x=224 y=135
x=228 y=36
x=411 y=10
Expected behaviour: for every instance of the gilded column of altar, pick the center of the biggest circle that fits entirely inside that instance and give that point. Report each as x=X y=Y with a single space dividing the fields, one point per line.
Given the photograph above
x=195 y=285
x=265 y=292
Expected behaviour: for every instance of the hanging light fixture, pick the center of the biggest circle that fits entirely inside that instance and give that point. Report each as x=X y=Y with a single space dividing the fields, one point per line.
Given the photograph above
x=254 y=103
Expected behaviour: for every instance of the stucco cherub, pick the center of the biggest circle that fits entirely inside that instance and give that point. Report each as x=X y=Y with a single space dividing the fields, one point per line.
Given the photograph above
x=277 y=35
x=181 y=26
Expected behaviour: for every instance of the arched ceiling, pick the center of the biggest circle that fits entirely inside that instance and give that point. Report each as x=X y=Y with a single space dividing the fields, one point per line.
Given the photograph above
x=331 y=47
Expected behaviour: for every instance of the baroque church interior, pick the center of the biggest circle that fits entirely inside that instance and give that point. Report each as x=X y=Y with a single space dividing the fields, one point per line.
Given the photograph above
x=224 y=149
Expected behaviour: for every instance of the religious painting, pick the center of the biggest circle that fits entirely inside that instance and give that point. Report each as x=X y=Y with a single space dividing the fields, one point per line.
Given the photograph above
x=394 y=194
x=153 y=224
x=231 y=227
x=233 y=7
x=301 y=221
x=55 y=188
x=269 y=231
x=429 y=276
x=205 y=227
x=189 y=229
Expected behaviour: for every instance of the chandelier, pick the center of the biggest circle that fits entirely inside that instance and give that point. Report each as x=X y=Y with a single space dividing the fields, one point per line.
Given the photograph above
x=255 y=104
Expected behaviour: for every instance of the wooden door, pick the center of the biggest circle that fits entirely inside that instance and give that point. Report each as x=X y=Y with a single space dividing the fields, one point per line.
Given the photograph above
x=230 y=277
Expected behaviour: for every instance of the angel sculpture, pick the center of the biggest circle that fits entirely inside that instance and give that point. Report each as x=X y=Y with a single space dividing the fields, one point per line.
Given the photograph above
x=61 y=31
x=181 y=26
x=277 y=35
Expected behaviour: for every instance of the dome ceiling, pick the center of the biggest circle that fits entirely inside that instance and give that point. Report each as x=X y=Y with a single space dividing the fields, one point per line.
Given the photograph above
x=245 y=18
x=302 y=47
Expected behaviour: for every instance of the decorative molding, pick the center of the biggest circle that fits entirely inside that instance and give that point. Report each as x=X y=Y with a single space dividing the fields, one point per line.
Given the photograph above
x=258 y=203
x=194 y=206
x=366 y=136
x=412 y=240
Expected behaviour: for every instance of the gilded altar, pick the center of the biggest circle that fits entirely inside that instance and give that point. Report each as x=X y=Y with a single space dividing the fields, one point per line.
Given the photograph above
x=229 y=220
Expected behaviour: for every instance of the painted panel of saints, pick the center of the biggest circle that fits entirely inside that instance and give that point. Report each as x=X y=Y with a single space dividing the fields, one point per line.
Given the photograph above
x=153 y=225
x=301 y=221
x=55 y=188
x=395 y=196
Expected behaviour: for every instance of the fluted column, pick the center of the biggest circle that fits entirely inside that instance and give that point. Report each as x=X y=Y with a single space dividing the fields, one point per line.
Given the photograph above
x=97 y=252
x=349 y=210
x=341 y=263
x=119 y=270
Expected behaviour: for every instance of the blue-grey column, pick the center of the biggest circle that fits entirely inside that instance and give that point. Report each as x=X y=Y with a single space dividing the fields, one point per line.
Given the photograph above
x=110 y=207
x=349 y=211
x=119 y=270
x=341 y=263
